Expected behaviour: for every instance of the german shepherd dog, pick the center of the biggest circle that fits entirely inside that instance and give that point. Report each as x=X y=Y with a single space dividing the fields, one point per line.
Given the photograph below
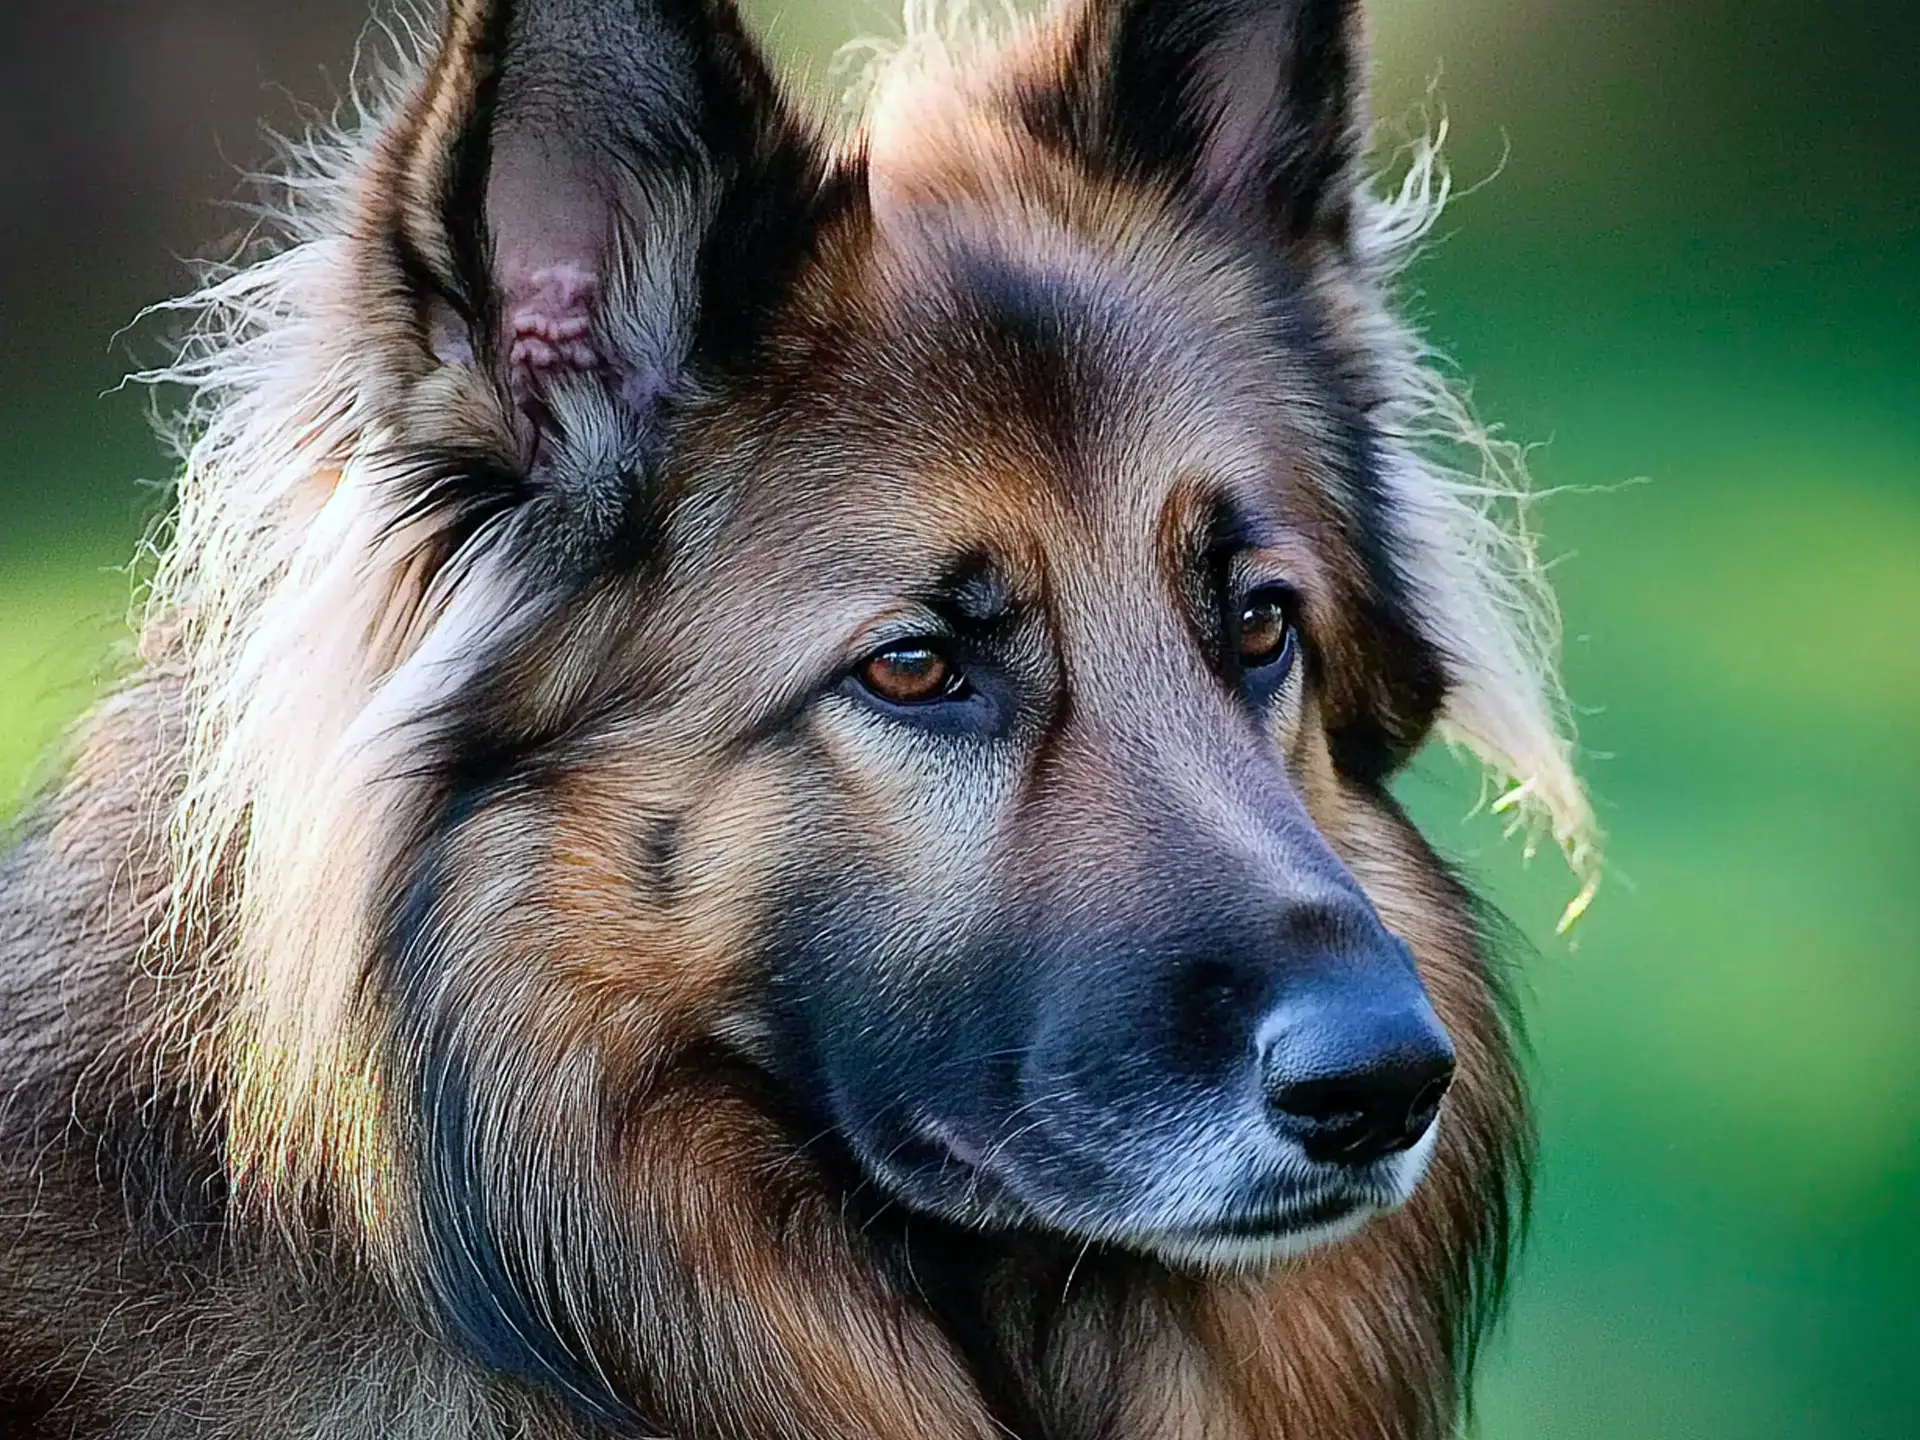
x=755 y=800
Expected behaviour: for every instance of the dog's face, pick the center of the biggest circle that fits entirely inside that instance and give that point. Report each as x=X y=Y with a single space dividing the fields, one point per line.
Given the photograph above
x=933 y=619
x=1000 y=632
x=1030 y=613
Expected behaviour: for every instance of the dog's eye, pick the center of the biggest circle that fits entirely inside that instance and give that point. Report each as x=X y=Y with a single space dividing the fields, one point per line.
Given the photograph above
x=911 y=674
x=1264 y=632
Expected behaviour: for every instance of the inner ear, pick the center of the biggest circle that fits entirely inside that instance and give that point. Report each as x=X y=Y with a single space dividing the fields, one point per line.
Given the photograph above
x=552 y=225
x=1247 y=106
x=565 y=163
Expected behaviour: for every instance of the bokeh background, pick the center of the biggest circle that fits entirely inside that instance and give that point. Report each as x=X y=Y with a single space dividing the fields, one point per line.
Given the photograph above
x=1696 y=279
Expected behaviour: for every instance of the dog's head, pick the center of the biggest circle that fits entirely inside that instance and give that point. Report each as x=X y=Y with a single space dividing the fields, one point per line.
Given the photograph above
x=932 y=618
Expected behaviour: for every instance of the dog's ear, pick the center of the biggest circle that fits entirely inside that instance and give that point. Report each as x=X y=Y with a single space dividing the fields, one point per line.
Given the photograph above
x=1254 y=106
x=552 y=202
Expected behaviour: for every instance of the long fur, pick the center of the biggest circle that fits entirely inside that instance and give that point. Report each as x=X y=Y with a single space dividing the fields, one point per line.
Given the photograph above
x=266 y=799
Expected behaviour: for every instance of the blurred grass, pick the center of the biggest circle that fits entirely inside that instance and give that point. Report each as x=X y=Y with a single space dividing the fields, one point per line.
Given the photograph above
x=1730 y=1109
x=1692 y=283
x=1725 y=1243
x=63 y=609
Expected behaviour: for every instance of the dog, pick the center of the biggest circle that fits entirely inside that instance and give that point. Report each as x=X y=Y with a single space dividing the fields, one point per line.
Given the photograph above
x=755 y=800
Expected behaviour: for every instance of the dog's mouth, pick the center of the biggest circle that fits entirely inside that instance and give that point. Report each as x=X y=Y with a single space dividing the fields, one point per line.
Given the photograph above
x=1277 y=1225
x=1258 y=1238
x=937 y=1172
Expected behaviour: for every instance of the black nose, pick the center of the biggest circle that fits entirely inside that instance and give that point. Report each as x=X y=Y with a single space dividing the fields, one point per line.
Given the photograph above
x=1355 y=1083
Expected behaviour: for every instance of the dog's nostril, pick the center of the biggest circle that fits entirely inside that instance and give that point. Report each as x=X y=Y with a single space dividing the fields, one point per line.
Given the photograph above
x=1338 y=1101
x=1358 y=1116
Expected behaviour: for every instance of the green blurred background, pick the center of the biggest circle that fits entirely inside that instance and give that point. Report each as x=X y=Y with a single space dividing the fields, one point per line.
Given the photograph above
x=1698 y=269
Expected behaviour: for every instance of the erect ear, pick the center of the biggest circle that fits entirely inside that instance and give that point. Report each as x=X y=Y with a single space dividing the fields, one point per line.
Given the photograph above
x=1250 y=105
x=554 y=196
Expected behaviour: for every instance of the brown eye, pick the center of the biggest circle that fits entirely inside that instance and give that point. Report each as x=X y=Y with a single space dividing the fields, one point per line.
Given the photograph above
x=910 y=675
x=1266 y=627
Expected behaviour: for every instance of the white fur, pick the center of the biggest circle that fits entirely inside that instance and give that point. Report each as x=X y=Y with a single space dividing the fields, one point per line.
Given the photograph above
x=285 y=599
x=1464 y=510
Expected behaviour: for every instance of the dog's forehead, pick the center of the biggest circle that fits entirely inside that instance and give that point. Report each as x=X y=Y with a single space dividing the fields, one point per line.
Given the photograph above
x=1030 y=381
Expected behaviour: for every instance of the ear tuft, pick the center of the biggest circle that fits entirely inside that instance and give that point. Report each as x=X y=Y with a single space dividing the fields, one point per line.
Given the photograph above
x=550 y=323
